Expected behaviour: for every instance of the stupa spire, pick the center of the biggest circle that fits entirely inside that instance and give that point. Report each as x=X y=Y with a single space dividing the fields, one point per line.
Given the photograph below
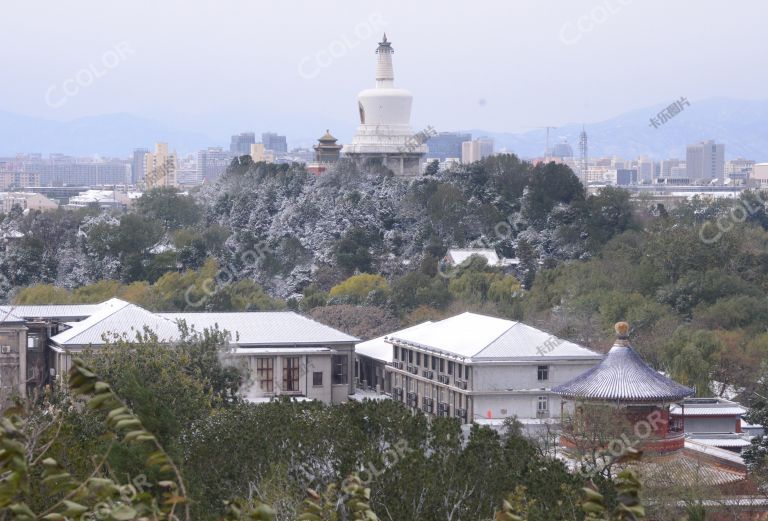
x=385 y=75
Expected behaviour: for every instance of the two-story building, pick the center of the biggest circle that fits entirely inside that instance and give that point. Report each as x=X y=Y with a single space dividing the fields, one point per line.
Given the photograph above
x=282 y=353
x=477 y=367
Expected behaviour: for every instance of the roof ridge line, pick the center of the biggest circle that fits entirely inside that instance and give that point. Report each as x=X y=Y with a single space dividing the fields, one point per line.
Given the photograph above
x=514 y=323
x=103 y=318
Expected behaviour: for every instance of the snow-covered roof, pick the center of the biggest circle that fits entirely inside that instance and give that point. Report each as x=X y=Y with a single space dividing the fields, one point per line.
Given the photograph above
x=247 y=329
x=63 y=312
x=711 y=450
x=265 y=328
x=480 y=338
x=707 y=407
x=116 y=317
x=280 y=350
x=727 y=440
x=8 y=315
x=457 y=256
x=379 y=349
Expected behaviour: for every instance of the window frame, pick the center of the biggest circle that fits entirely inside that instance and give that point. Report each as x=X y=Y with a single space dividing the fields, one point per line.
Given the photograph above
x=339 y=369
x=291 y=374
x=265 y=373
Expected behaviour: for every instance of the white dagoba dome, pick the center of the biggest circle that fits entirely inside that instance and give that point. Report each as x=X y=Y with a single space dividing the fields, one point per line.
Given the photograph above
x=385 y=112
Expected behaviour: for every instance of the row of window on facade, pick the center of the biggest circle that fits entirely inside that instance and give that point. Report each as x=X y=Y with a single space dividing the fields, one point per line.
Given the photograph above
x=293 y=370
x=418 y=359
x=408 y=356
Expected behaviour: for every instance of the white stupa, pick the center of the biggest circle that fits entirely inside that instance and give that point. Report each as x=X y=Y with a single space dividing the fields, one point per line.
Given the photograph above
x=385 y=135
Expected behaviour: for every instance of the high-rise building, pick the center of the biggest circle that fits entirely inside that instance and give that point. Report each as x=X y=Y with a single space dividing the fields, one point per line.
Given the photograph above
x=562 y=150
x=446 y=144
x=705 y=160
x=678 y=173
x=212 y=162
x=160 y=167
x=666 y=167
x=739 y=170
x=274 y=142
x=759 y=175
x=618 y=163
x=260 y=153
x=645 y=170
x=384 y=135
x=626 y=177
x=137 y=165
x=240 y=145
x=476 y=149
x=60 y=170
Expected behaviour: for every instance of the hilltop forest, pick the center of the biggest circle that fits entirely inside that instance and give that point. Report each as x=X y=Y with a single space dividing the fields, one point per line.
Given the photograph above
x=363 y=250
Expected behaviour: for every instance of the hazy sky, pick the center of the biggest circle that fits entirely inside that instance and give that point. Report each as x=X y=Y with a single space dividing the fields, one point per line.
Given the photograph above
x=229 y=65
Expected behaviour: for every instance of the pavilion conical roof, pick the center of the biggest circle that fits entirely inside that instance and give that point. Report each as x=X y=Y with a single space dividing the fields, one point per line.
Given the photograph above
x=623 y=376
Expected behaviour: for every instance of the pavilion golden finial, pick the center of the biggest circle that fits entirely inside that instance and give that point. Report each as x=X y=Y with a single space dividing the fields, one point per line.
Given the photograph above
x=622 y=329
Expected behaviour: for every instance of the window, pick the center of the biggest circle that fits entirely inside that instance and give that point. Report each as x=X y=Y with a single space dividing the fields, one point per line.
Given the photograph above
x=264 y=368
x=426 y=361
x=442 y=365
x=543 y=373
x=466 y=372
x=402 y=355
x=291 y=373
x=434 y=363
x=418 y=358
x=317 y=379
x=410 y=357
x=397 y=353
x=33 y=342
x=339 y=365
x=543 y=405
x=450 y=367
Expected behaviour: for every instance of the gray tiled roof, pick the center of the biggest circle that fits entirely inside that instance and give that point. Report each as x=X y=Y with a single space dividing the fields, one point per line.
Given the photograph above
x=481 y=338
x=734 y=410
x=116 y=317
x=623 y=376
x=60 y=311
x=265 y=328
x=8 y=315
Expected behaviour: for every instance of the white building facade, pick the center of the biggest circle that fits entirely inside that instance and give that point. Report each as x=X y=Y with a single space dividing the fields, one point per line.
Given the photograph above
x=280 y=353
x=476 y=367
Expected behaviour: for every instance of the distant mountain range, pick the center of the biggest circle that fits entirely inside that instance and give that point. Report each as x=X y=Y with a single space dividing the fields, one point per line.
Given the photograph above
x=741 y=124
x=113 y=135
